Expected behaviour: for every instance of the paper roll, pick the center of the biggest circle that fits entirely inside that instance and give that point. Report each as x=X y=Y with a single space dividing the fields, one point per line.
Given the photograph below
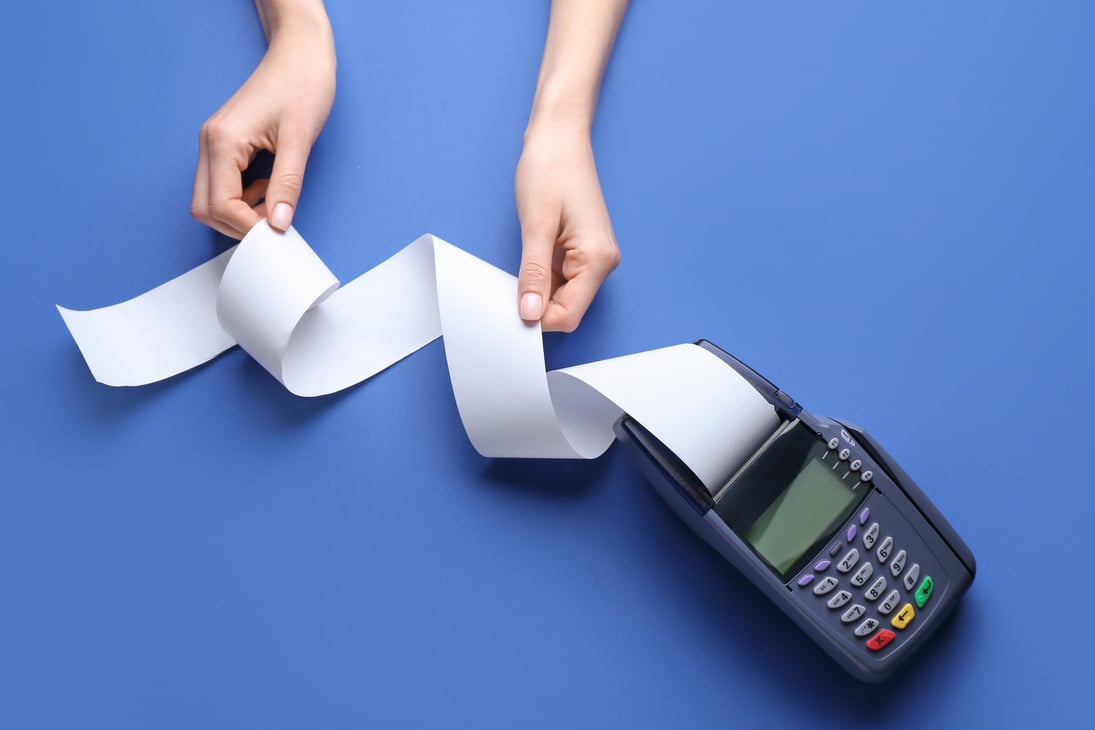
x=274 y=297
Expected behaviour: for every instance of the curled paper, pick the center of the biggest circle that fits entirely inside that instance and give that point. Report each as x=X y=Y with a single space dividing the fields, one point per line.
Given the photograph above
x=274 y=297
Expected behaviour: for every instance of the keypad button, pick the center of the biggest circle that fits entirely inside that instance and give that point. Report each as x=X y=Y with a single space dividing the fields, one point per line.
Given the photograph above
x=890 y=603
x=924 y=592
x=912 y=576
x=845 y=454
x=825 y=585
x=834 y=442
x=877 y=589
x=880 y=640
x=864 y=515
x=870 y=537
x=806 y=580
x=904 y=617
x=898 y=563
x=822 y=566
x=856 y=463
x=839 y=599
x=866 y=475
x=855 y=612
x=885 y=549
x=848 y=561
x=835 y=550
x=850 y=534
x=865 y=571
x=868 y=625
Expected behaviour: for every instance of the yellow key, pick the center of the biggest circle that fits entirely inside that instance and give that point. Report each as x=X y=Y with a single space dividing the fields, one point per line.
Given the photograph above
x=904 y=617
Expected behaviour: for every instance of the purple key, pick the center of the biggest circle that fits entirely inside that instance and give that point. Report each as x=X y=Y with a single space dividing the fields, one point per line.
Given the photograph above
x=864 y=515
x=823 y=565
x=851 y=533
x=806 y=580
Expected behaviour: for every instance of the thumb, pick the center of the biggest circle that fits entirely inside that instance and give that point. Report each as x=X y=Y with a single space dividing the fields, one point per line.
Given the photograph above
x=286 y=179
x=534 y=277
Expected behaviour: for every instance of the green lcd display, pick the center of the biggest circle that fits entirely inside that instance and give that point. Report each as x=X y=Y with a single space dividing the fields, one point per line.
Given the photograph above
x=799 y=515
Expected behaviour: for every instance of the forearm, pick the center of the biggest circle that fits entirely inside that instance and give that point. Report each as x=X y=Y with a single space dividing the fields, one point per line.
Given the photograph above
x=302 y=15
x=580 y=37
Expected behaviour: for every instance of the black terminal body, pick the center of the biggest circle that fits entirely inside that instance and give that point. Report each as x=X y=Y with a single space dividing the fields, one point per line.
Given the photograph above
x=829 y=526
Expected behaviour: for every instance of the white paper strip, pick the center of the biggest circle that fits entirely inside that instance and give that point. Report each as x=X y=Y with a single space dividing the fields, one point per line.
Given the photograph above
x=274 y=297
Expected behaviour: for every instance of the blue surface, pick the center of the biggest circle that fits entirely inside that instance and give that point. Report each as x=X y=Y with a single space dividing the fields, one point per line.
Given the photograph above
x=886 y=208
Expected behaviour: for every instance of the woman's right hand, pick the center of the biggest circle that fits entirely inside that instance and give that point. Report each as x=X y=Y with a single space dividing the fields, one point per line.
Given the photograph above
x=281 y=108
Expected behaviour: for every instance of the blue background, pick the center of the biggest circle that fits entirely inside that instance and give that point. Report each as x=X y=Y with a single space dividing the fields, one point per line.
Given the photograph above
x=884 y=207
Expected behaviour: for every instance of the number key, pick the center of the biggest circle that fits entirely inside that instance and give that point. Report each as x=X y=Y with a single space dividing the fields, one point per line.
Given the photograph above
x=887 y=606
x=876 y=588
x=848 y=561
x=870 y=537
x=898 y=563
x=885 y=549
x=862 y=574
x=839 y=599
x=854 y=613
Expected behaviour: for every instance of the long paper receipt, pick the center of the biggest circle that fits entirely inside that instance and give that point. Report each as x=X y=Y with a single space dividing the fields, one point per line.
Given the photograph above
x=273 y=296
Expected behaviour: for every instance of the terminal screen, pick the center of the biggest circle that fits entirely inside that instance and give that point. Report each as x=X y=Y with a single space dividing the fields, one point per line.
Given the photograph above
x=800 y=515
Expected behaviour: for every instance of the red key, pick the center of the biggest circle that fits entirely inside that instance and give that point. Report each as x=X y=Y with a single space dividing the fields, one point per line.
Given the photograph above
x=881 y=639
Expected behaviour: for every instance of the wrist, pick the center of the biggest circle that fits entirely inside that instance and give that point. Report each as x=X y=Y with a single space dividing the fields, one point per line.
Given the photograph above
x=561 y=109
x=294 y=17
x=305 y=39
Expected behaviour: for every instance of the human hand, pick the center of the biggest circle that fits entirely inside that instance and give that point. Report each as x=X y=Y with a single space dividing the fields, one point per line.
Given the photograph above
x=569 y=247
x=281 y=108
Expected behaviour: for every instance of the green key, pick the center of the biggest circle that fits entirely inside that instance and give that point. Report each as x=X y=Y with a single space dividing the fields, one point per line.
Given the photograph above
x=924 y=591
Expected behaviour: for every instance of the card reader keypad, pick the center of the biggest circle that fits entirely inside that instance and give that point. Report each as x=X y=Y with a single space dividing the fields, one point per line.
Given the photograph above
x=870 y=582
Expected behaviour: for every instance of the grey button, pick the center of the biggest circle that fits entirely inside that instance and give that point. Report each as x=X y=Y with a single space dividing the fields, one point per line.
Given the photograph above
x=868 y=625
x=870 y=537
x=856 y=463
x=825 y=585
x=839 y=599
x=885 y=549
x=834 y=442
x=863 y=574
x=888 y=605
x=844 y=454
x=848 y=561
x=853 y=613
x=911 y=576
x=876 y=589
x=866 y=475
x=898 y=563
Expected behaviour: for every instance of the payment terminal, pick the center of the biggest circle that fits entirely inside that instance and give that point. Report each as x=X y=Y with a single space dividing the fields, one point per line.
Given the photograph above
x=828 y=526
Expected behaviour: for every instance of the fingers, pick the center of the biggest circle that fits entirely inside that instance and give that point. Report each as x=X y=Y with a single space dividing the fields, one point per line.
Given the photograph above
x=584 y=268
x=255 y=196
x=565 y=312
x=219 y=199
x=199 y=203
x=226 y=205
x=561 y=271
x=287 y=177
x=538 y=234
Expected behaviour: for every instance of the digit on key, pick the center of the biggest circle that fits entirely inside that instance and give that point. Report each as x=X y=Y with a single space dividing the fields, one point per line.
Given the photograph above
x=885 y=549
x=848 y=561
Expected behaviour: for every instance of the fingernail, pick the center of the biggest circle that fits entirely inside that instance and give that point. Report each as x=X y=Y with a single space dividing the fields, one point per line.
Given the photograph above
x=281 y=216
x=532 y=306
